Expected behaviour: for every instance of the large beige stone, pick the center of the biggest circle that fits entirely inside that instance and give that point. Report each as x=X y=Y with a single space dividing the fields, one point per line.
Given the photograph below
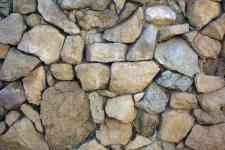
x=62 y=71
x=132 y=77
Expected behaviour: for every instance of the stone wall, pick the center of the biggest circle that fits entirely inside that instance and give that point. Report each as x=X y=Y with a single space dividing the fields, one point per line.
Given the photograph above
x=112 y=75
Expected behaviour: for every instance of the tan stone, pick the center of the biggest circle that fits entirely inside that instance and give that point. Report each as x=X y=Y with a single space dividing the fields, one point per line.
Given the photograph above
x=138 y=142
x=12 y=117
x=92 y=145
x=3 y=50
x=62 y=71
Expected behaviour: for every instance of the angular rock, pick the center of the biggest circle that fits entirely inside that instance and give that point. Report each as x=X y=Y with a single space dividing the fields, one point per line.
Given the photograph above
x=121 y=108
x=93 y=75
x=5 y=7
x=132 y=77
x=12 y=117
x=2 y=127
x=137 y=97
x=119 y=5
x=24 y=6
x=33 y=20
x=72 y=51
x=33 y=115
x=154 y=146
x=107 y=93
x=160 y=15
x=128 y=10
x=207 y=138
x=175 y=125
x=77 y=4
x=50 y=79
x=22 y=136
x=92 y=37
x=167 y=32
x=176 y=54
x=53 y=14
x=65 y=115
x=17 y=65
x=128 y=31
x=34 y=84
x=206 y=83
x=146 y=123
x=93 y=144
x=138 y=142
x=106 y=52
x=43 y=41
x=175 y=81
x=12 y=95
x=113 y=132
x=201 y=12
x=144 y=48
x=4 y=50
x=183 y=100
x=62 y=71
x=11 y=29
x=97 y=107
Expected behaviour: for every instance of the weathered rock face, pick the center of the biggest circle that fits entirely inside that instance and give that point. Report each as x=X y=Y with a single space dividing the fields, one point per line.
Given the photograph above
x=11 y=29
x=43 y=41
x=24 y=6
x=177 y=55
x=93 y=144
x=206 y=138
x=65 y=115
x=62 y=71
x=132 y=77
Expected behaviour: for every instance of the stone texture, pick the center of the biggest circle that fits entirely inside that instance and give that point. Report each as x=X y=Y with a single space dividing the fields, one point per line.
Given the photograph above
x=43 y=41
x=137 y=97
x=155 y=99
x=175 y=125
x=34 y=84
x=106 y=52
x=128 y=31
x=23 y=136
x=93 y=144
x=92 y=37
x=176 y=54
x=138 y=142
x=144 y=48
x=11 y=29
x=53 y=14
x=2 y=127
x=33 y=20
x=4 y=50
x=33 y=115
x=62 y=71
x=2 y=113
x=77 y=4
x=206 y=83
x=97 y=107
x=183 y=100
x=201 y=12
x=72 y=51
x=12 y=117
x=132 y=77
x=24 y=6
x=146 y=123
x=5 y=7
x=113 y=132
x=12 y=95
x=160 y=15
x=121 y=108
x=93 y=75
x=107 y=93
x=65 y=115
x=128 y=9
x=174 y=81
x=119 y=5
x=207 y=138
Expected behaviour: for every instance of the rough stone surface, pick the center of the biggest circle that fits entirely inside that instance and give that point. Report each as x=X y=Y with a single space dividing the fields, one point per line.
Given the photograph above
x=43 y=41
x=132 y=77
x=93 y=75
x=144 y=48
x=17 y=65
x=177 y=55
x=128 y=31
x=121 y=108
x=93 y=144
x=12 y=117
x=34 y=19
x=175 y=81
x=65 y=115
x=34 y=84
x=4 y=50
x=175 y=125
x=62 y=71
x=106 y=52
x=155 y=99
x=12 y=95
x=113 y=132
x=11 y=29
x=53 y=14
x=24 y=6
x=2 y=127
x=138 y=142
x=206 y=138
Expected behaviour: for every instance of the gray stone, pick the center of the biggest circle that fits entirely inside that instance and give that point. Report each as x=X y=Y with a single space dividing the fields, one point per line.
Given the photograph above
x=92 y=37
x=128 y=10
x=93 y=144
x=62 y=71
x=4 y=7
x=106 y=52
x=144 y=48
x=65 y=115
x=53 y=14
x=2 y=127
x=12 y=95
x=138 y=142
x=155 y=99
x=44 y=41
x=11 y=29
x=175 y=81
x=119 y=5
x=12 y=117
x=2 y=113
x=128 y=31
x=24 y=6
x=176 y=54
